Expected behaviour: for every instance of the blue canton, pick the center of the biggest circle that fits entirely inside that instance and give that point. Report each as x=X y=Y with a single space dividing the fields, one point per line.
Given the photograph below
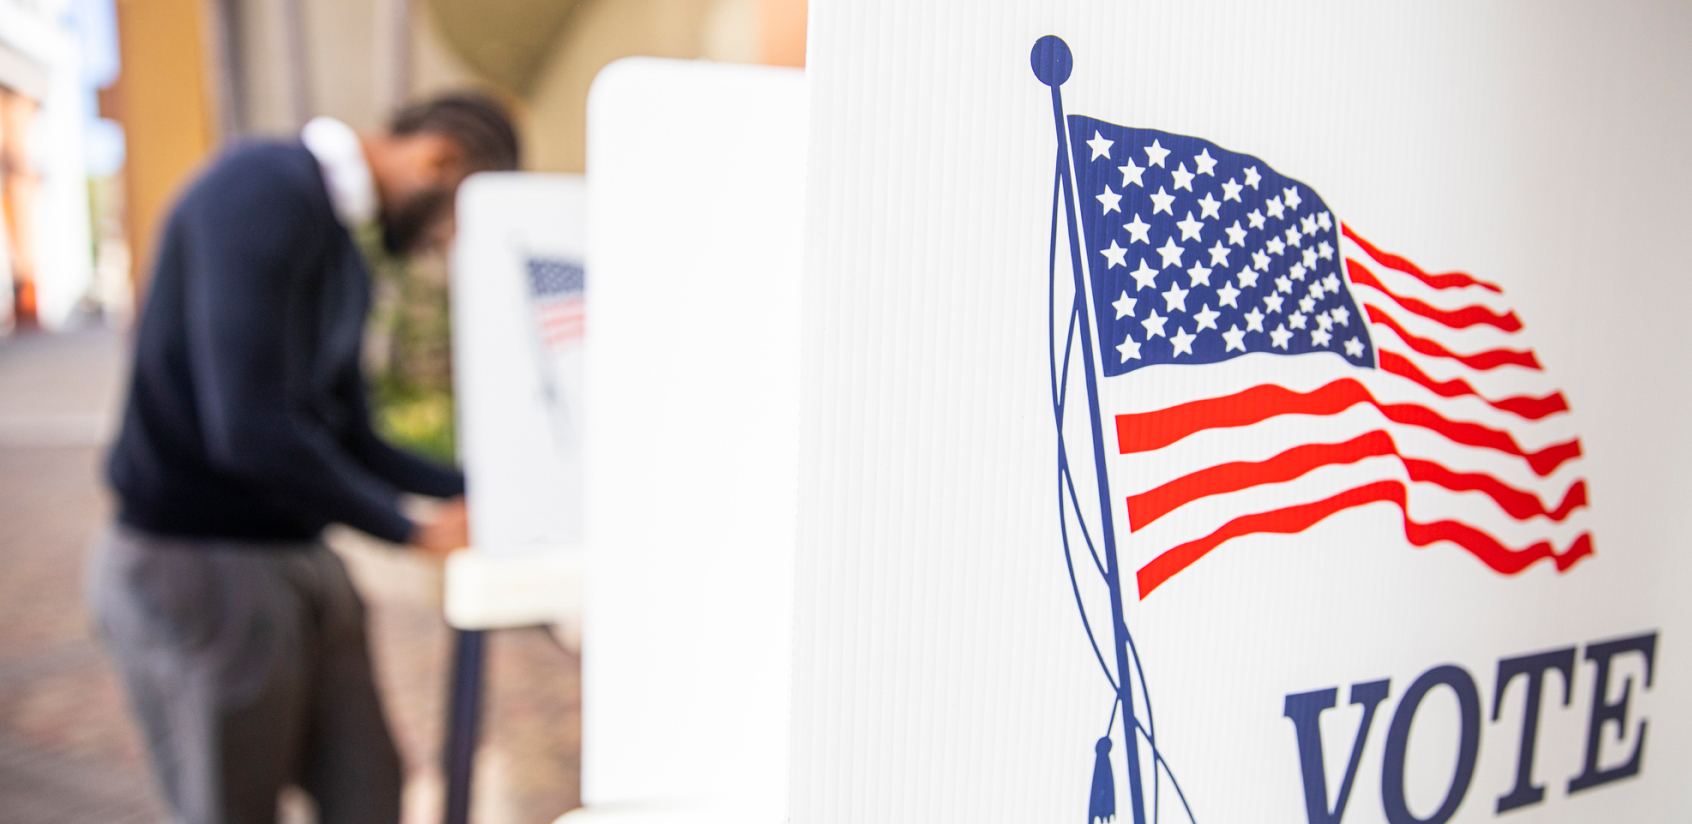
x=550 y=277
x=1199 y=254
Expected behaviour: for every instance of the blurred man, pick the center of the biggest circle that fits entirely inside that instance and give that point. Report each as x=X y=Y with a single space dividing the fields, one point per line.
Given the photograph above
x=239 y=635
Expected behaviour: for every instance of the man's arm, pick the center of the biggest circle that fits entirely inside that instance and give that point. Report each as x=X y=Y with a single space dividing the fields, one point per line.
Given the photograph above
x=396 y=466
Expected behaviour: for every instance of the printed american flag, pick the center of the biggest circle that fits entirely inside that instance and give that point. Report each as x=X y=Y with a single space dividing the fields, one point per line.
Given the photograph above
x=1264 y=367
x=556 y=289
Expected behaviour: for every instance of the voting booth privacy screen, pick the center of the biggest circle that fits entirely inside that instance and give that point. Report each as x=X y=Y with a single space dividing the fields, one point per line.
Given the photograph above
x=1234 y=412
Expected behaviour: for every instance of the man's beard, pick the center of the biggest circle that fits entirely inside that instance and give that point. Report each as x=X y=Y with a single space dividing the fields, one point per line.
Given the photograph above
x=405 y=227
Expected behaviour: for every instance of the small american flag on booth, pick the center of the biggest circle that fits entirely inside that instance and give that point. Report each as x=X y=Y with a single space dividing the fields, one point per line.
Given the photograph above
x=1335 y=374
x=556 y=291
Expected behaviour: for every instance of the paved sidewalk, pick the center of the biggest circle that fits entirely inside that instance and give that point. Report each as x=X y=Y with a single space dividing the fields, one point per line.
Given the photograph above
x=68 y=751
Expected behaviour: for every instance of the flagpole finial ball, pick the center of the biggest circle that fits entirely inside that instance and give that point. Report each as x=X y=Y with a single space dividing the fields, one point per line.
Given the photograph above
x=1051 y=60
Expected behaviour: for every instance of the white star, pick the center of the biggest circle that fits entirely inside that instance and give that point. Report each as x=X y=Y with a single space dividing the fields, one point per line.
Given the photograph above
x=1331 y=283
x=1183 y=178
x=1342 y=316
x=1206 y=164
x=1227 y=295
x=1283 y=284
x=1276 y=209
x=1236 y=235
x=1124 y=306
x=1129 y=349
x=1206 y=318
x=1297 y=271
x=1254 y=321
x=1219 y=254
x=1155 y=153
x=1306 y=304
x=1325 y=220
x=1294 y=238
x=1255 y=218
x=1272 y=302
x=1209 y=207
x=1320 y=337
x=1100 y=146
x=1316 y=290
x=1235 y=338
x=1110 y=200
x=1145 y=276
x=1297 y=319
x=1190 y=228
x=1248 y=277
x=1183 y=341
x=1171 y=254
x=1154 y=325
x=1260 y=261
x=1324 y=250
x=1293 y=200
x=1115 y=254
x=1308 y=224
x=1276 y=246
x=1310 y=258
x=1323 y=321
x=1252 y=177
x=1131 y=174
x=1175 y=298
x=1280 y=336
x=1161 y=201
x=1354 y=348
x=1199 y=274
x=1139 y=231
x=1231 y=190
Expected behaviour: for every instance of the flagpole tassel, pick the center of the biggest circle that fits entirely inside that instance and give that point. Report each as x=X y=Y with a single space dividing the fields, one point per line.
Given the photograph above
x=1102 y=804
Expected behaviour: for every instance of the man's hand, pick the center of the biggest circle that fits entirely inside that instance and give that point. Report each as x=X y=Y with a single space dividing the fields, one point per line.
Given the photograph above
x=446 y=530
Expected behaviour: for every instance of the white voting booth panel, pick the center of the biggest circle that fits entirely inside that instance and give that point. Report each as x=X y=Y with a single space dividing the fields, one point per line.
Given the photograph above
x=695 y=228
x=518 y=312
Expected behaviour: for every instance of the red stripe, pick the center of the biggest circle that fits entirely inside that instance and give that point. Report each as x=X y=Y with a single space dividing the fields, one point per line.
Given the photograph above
x=1531 y=408
x=1146 y=431
x=1490 y=359
x=1295 y=519
x=1449 y=280
x=1455 y=318
x=1146 y=507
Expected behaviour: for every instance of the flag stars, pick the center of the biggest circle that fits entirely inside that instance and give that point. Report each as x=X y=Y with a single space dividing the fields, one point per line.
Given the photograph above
x=1297 y=271
x=1205 y=163
x=1099 y=145
x=1124 y=306
x=1306 y=304
x=1111 y=201
x=1310 y=258
x=1294 y=238
x=1155 y=153
x=1324 y=251
x=1316 y=290
x=1132 y=175
x=1183 y=178
x=1342 y=316
x=1183 y=341
x=1275 y=207
x=1154 y=325
x=1206 y=318
x=1297 y=320
x=1236 y=235
x=1260 y=261
x=1130 y=350
x=1171 y=253
x=1283 y=284
x=1235 y=338
x=1280 y=336
x=1175 y=299
x=1331 y=283
x=1320 y=337
x=1254 y=321
x=1354 y=348
x=1272 y=302
x=1293 y=200
x=1219 y=254
x=1252 y=177
x=1255 y=218
x=1276 y=246
x=1231 y=190
x=1325 y=220
x=1138 y=230
x=1209 y=206
x=1145 y=276
x=1161 y=202
x=1117 y=255
x=1228 y=295
x=1248 y=277
x=1324 y=322
x=1199 y=274
x=1190 y=228
x=1308 y=224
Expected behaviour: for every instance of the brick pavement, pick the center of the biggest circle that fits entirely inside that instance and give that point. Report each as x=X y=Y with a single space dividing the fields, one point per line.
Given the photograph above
x=68 y=751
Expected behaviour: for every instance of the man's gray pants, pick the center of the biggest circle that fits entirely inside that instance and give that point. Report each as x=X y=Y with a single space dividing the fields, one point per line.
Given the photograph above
x=248 y=670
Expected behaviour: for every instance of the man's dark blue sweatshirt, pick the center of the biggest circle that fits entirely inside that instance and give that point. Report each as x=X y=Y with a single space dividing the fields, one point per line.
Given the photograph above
x=246 y=416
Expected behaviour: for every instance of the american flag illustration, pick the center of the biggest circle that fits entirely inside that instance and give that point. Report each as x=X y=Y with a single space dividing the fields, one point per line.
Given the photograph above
x=556 y=289
x=1336 y=375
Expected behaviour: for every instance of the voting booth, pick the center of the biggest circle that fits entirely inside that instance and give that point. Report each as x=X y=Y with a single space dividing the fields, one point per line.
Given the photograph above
x=1092 y=411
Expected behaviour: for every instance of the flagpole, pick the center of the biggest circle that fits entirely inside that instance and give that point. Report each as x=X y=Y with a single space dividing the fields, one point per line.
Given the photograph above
x=1052 y=62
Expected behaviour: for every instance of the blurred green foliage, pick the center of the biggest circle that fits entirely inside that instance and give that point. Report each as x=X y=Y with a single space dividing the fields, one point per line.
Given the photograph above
x=408 y=351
